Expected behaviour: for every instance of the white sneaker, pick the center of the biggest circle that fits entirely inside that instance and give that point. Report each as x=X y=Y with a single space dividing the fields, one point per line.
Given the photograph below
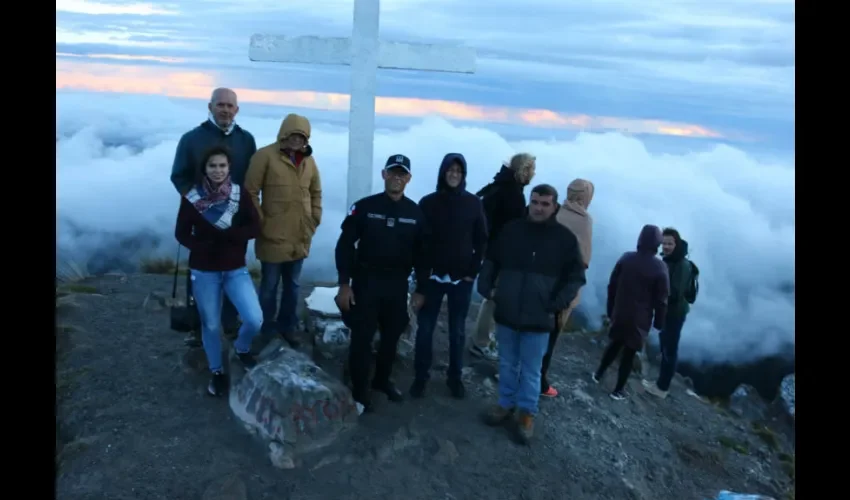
x=653 y=389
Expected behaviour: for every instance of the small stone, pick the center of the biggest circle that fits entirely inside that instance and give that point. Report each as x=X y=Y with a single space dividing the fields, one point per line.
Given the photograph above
x=279 y=457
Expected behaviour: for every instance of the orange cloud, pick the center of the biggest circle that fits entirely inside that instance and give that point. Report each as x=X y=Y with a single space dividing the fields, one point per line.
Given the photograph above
x=175 y=82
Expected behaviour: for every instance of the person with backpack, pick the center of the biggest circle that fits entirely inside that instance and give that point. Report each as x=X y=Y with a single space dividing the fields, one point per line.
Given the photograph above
x=683 y=291
x=637 y=300
x=503 y=200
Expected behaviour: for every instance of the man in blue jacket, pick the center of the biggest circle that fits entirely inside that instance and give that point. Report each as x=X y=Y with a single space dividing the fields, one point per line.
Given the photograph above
x=458 y=230
x=218 y=130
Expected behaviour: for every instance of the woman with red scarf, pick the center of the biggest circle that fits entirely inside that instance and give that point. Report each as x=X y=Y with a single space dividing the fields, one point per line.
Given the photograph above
x=215 y=222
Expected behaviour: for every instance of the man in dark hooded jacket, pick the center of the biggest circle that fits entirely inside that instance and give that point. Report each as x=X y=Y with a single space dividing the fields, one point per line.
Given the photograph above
x=458 y=228
x=638 y=287
x=503 y=201
x=674 y=249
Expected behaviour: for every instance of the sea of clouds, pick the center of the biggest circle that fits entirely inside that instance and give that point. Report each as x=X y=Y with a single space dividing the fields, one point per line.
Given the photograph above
x=114 y=156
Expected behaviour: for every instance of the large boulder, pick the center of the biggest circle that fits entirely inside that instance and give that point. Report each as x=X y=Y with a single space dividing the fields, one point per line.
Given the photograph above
x=330 y=335
x=291 y=404
x=746 y=403
x=787 y=390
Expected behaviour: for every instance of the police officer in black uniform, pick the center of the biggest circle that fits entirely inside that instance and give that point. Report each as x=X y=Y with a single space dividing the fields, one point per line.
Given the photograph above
x=382 y=238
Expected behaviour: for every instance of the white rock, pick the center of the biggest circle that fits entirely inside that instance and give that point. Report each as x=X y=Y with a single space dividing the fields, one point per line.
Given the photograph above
x=321 y=302
x=787 y=391
x=292 y=404
x=331 y=335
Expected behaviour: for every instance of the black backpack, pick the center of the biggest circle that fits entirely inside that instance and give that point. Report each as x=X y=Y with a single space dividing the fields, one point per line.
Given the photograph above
x=488 y=201
x=693 y=284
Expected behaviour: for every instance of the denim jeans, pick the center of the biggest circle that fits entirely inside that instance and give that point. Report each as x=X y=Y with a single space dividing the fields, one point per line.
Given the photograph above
x=228 y=312
x=520 y=361
x=207 y=288
x=273 y=273
x=458 y=298
x=669 y=340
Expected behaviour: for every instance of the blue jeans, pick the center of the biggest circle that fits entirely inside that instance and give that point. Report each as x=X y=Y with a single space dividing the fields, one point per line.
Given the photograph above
x=520 y=360
x=669 y=340
x=207 y=288
x=272 y=275
x=458 y=302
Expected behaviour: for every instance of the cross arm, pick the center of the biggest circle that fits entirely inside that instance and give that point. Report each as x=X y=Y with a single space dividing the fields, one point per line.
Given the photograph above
x=337 y=51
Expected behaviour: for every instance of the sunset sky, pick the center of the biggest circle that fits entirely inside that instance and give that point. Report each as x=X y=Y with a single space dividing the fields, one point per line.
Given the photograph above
x=722 y=71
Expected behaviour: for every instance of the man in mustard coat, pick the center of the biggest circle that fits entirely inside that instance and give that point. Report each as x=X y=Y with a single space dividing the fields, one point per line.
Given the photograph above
x=283 y=181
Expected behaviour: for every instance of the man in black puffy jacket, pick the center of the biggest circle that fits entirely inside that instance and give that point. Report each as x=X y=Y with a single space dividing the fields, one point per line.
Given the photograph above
x=539 y=267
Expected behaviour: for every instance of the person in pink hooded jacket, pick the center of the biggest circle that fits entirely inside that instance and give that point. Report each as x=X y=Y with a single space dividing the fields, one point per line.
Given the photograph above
x=572 y=214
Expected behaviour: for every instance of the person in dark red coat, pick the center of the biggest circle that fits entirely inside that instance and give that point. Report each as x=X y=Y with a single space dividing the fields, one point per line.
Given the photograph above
x=638 y=288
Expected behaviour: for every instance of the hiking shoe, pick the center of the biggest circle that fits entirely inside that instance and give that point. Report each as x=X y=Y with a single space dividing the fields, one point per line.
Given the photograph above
x=525 y=427
x=291 y=339
x=193 y=339
x=498 y=415
x=456 y=388
x=551 y=392
x=218 y=384
x=247 y=359
x=485 y=352
x=595 y=377
x=653 y=389
x=417 y=389
x=618 y=395
x=390 y=390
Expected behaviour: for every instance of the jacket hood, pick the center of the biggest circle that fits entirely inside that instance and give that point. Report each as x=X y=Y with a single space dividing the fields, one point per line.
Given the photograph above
x=296 y=124
x=679 y=253
x=580 y=192
x=505 y=176
x=448 y=160
x=649 y=239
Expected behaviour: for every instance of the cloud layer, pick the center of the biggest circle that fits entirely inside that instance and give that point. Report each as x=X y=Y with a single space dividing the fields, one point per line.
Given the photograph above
x=114 y=156
x=720 y=65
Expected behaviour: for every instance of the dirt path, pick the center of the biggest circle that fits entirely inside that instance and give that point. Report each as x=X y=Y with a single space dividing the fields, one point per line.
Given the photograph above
x=136 y=424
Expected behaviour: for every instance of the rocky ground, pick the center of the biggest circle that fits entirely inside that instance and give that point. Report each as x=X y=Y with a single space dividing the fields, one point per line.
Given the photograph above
x=134 y=423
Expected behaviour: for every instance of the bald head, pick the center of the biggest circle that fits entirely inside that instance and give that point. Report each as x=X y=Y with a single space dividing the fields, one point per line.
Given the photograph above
x=223 y=106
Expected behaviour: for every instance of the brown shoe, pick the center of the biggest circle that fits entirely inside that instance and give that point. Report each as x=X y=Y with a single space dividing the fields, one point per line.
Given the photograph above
x=498 y=415
x=525 y=427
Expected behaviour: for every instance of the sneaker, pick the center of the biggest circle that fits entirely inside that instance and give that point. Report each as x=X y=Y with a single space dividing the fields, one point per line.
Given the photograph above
x=551 y=392
x=417 y=389
x=193 y=340
x=390 y=390
x=456 y=388
x=525 y=427
x=247 y=359
x=498 y=415
x=653 y=389
x=595 y=378
x=218 y=384
x=485 y=352
x=618 y=395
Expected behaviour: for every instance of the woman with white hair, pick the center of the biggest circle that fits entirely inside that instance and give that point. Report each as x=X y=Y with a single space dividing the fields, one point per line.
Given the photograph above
x=573 y=214
x=503 y=201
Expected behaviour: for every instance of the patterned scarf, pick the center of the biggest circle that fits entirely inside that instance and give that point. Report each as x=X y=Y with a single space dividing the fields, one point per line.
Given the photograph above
x=217 y=205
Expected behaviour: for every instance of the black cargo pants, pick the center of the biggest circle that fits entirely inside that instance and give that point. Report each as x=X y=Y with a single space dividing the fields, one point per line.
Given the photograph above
x=380 y=304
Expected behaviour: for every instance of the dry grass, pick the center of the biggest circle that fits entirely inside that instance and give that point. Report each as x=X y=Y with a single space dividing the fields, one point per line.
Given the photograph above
x=68 y=271
x=254 y=270
x=77 y=288
x=162 y=265
x=733 y=444
x=767 y=435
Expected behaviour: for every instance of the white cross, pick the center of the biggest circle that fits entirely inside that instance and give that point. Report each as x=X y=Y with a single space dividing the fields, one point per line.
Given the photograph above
x=365 y=53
